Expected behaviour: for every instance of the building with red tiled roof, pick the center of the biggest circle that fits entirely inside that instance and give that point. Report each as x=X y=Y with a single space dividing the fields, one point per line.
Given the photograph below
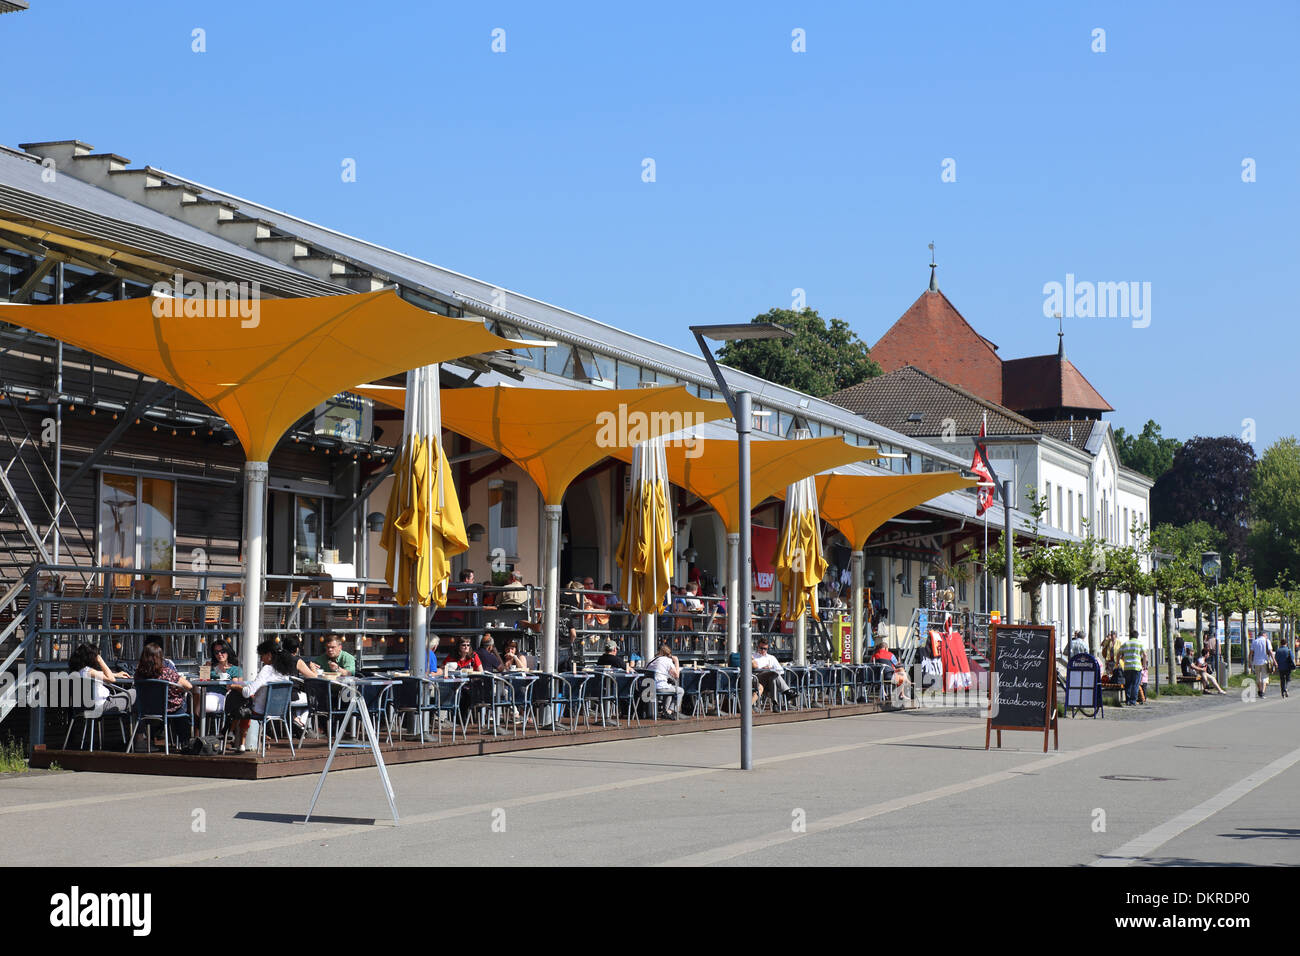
x=932 y=335
x=1043 y=428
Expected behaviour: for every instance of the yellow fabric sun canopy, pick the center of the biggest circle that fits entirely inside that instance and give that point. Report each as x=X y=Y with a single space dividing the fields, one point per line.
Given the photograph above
x=262 y=365
x=710 y=471
x=556 y=434
x=856 y=505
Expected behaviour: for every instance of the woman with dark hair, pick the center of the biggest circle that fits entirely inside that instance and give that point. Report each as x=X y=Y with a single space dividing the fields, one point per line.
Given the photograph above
x=152 y=667
x=86 y=662
x=246 y=702
x=297 y=667
x=223 y=665
x=214 y=702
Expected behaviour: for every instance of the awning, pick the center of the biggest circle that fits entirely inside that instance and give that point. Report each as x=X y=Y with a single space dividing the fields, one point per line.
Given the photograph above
x=856 y=505
x=262 y=368
x=556 y=434
x=709 y=470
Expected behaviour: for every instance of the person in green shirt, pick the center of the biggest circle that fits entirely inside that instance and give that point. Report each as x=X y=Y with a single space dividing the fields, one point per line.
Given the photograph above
x=336 y=660
x=1130 y=652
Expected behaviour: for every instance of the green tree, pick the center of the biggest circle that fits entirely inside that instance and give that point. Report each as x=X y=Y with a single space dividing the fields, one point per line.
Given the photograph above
x=820 y=359
x=1274 y=541
x=1210 y=480
x=1149 y=452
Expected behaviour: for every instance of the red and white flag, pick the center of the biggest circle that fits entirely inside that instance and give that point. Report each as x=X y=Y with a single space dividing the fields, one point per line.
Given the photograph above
x=984 y=471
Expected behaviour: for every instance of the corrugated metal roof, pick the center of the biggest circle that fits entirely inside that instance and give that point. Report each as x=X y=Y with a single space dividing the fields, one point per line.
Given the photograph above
x=86 y=210
x=552 y=321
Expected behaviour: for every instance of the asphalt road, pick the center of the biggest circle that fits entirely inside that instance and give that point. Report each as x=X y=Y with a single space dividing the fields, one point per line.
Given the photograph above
x=1210 y=781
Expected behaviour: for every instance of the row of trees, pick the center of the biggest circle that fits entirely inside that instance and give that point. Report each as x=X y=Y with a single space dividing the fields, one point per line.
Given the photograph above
x=1094 y=565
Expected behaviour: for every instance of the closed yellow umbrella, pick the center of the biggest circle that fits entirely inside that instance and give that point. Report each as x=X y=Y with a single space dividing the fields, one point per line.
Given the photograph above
x=423 y=528
x=645 y=551
x=800 y=564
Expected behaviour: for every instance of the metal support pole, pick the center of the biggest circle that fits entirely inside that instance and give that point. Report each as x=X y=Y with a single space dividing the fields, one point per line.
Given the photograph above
x=733 y=593
x=58 y=423
x=649 y=625
x=255 y=473
x=418 y=651
x=1006 y=513
x=1155 y=642
x=744 y=422
x=552 y=585
x=801 y=640
x=855 y=563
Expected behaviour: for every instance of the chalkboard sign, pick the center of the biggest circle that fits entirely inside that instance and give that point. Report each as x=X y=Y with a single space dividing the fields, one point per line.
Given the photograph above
x=1022 y=692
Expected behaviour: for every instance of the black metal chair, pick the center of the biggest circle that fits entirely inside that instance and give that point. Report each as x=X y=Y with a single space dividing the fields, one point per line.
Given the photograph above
x=151 y=708
x=91 y=715
x=414 y=696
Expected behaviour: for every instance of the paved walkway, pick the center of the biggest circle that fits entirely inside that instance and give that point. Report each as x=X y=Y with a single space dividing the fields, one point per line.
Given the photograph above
x=1209 y=784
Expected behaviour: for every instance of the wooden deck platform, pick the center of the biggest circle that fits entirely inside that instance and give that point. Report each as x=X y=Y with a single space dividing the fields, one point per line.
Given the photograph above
x=310 y=758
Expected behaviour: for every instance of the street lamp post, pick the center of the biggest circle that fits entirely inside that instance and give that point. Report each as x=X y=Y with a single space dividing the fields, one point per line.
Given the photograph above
x=1210 y=566
x=742 y=413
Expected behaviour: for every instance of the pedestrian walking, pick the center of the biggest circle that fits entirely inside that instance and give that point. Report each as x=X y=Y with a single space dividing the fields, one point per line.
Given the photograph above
x=1262 y=660
x=1285 y=665
x=1130 y=652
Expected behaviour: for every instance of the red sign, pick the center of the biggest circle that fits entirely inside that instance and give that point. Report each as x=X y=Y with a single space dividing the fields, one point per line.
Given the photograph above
x=763 y=543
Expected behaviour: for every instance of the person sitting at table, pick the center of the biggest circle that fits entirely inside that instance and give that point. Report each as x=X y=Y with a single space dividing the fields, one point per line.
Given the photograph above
x=156 y=641
x=289 y=663
x=617 y=608
x=487 y=655
x=513 y=658
x=883 y=655
x=246 y=702
x=770 y=675
x=431 y=664
x=668 y=674
x=610 y=658
x=572 y=603
x=466 y=660
x=515 y=594
x=86 y=662
x=298 y=667
x=223 y=667
x=335 y=660
x=688 y=605
x=214 y=702
x=153 y=667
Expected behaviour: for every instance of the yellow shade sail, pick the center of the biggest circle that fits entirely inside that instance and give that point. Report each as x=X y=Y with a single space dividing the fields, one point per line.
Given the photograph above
x=262 y=365
x=556 y=434
x=856 y=505
x=709 y=470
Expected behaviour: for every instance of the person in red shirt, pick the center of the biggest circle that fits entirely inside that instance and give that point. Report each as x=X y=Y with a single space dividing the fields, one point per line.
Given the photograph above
x=467 y=660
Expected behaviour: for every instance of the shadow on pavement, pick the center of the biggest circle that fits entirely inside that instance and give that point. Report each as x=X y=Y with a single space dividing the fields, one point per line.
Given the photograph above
x=298 y=818
x=1265 y=833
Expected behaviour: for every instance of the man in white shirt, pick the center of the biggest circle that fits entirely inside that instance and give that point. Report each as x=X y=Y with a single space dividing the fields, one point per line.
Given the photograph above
x=667 y=679
x=769 y=674
x=1261 y=656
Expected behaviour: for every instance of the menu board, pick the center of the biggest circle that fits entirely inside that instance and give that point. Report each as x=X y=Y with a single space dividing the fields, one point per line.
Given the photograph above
x=1022 y=690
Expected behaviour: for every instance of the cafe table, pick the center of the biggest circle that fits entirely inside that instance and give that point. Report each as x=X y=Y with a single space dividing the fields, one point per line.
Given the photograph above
x=198 y=699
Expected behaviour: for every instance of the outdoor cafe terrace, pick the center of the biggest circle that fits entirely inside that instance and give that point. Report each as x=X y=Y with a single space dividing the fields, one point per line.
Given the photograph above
x=418 y=718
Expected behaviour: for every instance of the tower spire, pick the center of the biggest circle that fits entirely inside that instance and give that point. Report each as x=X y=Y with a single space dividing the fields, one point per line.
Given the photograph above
x=934 y=284
x=1060 y=338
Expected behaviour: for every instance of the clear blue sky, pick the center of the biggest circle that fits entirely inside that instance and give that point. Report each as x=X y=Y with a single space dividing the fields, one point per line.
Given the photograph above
x=775 y=170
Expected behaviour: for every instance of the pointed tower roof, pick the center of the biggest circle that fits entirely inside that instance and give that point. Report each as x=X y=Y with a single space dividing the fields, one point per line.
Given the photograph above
x=1051 y=384
x=933 y=336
